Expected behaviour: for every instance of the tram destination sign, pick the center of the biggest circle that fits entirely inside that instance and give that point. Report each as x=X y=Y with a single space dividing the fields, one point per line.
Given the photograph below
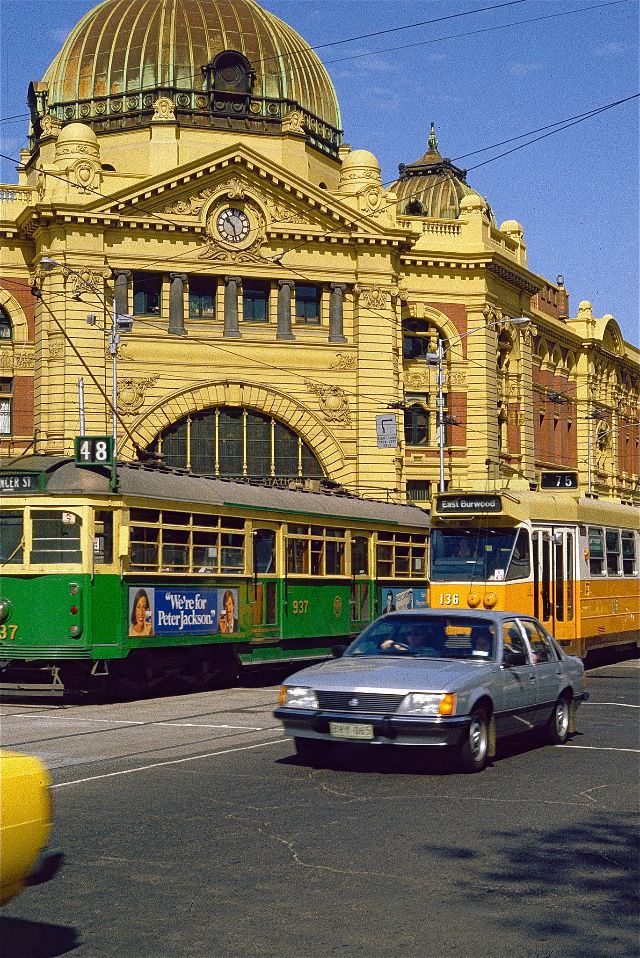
x=558 y=480
x=468 y=504
x=21 y=483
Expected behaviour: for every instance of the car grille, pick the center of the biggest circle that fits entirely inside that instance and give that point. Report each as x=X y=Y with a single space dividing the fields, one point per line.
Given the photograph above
x=359 y=702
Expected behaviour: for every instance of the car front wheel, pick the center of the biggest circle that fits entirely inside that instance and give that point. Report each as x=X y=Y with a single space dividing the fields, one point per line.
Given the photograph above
x=560 y=721
x=474 y=751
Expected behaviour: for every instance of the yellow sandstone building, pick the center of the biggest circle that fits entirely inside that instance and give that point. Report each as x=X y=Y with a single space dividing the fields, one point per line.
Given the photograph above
x=291 y=317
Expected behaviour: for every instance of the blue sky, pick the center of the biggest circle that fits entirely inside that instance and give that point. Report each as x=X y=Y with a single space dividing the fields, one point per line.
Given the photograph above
x=576 y=193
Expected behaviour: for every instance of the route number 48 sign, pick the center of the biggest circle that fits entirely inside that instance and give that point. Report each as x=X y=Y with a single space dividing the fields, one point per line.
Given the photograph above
x=94 y=450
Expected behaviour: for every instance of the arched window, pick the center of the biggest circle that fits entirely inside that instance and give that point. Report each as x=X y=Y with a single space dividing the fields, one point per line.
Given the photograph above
x=236 y=443
x=419 y=337
x=6 y=330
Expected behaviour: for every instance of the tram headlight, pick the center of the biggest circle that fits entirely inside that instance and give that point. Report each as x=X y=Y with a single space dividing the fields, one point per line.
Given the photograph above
x=5 y=609
x=490 y=600
x=298 y=697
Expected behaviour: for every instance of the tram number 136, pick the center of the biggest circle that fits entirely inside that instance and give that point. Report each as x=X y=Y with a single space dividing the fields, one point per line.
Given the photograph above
x=450 y=598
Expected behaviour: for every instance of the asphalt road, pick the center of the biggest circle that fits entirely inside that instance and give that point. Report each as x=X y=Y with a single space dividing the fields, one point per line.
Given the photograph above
x=191 y=830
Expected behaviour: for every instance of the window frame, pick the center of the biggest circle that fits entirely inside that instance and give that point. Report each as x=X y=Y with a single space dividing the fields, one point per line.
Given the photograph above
x=594 y=571
x=256 y=286
x=174 y=544
x=199 y=287
x=627 y=535
x=403 y=549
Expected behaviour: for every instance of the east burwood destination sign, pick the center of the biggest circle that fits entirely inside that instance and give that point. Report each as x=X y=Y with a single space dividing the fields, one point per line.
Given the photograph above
x=468 y=504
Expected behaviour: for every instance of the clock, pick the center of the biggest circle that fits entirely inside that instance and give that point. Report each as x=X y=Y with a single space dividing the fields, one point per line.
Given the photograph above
x=233 y=225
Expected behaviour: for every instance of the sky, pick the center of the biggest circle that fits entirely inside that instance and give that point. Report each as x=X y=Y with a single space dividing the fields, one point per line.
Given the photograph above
x=575 y=192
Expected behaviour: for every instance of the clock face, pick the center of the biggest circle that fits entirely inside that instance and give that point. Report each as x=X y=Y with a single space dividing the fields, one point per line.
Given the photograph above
x=233 y=225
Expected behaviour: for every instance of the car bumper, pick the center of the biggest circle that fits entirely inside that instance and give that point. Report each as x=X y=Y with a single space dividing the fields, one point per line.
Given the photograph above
x=387 y=729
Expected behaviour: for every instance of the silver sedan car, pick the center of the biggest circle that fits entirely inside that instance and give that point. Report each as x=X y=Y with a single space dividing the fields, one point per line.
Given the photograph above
x=456 y=680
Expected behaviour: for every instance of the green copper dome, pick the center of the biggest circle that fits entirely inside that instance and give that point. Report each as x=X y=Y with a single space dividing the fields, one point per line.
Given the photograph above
x=210 y=57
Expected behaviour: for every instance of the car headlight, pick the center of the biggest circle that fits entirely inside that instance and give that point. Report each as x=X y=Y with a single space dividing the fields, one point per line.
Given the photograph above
x=298 y=697
x=428 y=703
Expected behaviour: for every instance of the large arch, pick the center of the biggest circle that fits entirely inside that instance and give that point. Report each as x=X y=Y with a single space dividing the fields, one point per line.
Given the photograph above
x=261 y=399
x=17 y=317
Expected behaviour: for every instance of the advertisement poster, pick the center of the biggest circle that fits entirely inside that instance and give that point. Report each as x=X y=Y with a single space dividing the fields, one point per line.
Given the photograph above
x=180 y=611
x=398 y=600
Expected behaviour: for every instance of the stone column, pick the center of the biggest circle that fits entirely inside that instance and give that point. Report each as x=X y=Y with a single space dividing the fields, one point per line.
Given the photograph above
x=336 y=314
x=284 y=309
x=176 y=304
x=121 y=291
x=232 y=286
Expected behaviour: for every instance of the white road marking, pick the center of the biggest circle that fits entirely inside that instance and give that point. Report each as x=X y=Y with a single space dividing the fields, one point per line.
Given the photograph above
x=620 y=705
x=175 y=761
x=78 y=721
x=601 y=748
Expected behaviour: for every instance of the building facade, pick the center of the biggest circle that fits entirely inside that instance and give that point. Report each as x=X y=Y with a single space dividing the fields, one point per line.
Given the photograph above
x=288 y=310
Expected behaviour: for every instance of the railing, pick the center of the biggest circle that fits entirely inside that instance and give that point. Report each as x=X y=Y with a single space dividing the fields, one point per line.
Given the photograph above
x=13 y=199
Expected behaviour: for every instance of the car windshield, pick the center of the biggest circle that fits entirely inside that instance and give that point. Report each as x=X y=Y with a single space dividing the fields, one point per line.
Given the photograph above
x=464 y=555
x=435 y=637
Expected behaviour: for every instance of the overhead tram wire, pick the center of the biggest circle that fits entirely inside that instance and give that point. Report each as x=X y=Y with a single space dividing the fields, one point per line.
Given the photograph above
x=286 y=54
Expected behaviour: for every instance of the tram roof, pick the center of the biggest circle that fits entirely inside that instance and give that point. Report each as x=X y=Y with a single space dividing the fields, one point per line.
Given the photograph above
x=547 y=506
x=140 y=481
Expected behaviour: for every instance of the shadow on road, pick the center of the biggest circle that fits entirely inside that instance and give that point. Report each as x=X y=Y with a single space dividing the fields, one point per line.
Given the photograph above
x=544 y=880
x=34 y=939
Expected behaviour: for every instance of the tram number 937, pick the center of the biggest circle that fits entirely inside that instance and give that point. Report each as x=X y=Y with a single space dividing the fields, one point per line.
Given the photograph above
x=300 y=606
x=450 y=598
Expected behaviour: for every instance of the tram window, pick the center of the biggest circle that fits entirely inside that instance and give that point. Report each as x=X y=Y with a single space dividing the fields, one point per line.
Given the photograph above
x=596 y=551
x=520 y=564
x=145 y=515
x=298 y=556
x=232 y=553
x=55 y=537
x=570 y=576
x=175 y=550
x=144 y=548
x=359 y=555
x=264 y=551
x=612 y=539
x=334 y=557
x=11 y=537
x=629 y=566
x=103 y=538
x=401 y=555
x=176 y=518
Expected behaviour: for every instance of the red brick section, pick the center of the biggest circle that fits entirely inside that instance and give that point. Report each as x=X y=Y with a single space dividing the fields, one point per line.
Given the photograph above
x=513 y=428
x=22 y=412
x=554 y=424
x=628 y=447
x=20 y=289
x=458 y=410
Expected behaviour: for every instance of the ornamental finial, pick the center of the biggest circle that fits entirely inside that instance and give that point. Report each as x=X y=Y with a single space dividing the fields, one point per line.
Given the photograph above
x=433 y=139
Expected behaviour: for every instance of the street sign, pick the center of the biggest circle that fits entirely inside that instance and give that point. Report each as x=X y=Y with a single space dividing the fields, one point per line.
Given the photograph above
x=387 y=432
x=93 y=450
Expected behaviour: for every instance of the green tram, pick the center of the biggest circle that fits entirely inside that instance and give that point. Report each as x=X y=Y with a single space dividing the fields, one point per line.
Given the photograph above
x=187 y=576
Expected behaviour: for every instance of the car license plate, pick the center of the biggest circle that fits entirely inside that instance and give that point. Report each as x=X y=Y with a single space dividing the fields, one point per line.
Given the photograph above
x=351 y=730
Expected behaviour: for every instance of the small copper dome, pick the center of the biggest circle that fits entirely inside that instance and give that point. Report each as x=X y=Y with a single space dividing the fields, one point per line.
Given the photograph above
x=432 y=186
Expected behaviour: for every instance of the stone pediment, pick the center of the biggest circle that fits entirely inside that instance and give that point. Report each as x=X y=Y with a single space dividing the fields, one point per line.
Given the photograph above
x=189 y=197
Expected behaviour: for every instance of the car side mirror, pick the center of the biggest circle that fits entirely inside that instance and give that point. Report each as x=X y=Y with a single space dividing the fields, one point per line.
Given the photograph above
x=511 y=658
x=338 y=651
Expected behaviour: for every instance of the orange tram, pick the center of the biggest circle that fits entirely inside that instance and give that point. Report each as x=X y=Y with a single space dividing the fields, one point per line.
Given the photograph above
x=568 y=559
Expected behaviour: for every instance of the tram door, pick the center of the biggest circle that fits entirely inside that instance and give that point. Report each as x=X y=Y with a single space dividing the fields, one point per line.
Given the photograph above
x=554 y=580
x=265 y=582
